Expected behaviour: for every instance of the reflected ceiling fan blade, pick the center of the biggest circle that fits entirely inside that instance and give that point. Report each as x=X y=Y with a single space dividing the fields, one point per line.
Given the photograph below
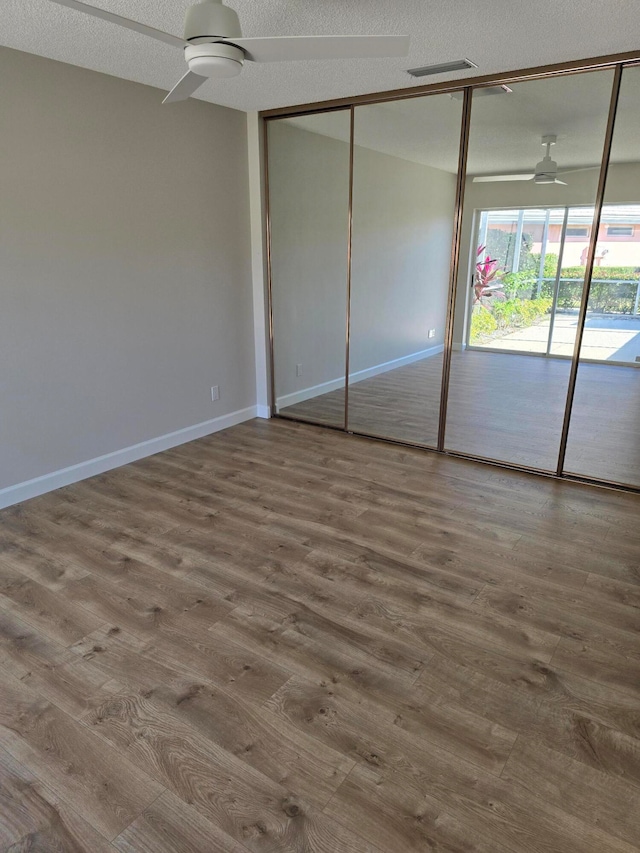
x=486 y=179
x=564 y=183
x=581 y=169
x=185 y=87
x=293 y=48
x=123 y=22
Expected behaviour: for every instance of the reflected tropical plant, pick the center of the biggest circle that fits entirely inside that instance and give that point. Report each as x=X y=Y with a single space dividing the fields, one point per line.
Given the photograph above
x=487 y=281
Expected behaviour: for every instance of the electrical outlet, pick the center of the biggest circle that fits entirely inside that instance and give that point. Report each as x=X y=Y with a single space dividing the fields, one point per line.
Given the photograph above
x=432 y=333
x=215 y=393
x=298 y=370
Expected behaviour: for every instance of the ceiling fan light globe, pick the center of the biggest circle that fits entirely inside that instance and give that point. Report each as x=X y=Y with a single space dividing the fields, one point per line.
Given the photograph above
x=216 y=60
x=215 y=66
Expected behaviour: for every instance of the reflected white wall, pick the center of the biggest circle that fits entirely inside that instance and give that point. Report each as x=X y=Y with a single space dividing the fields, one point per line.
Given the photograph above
x=403 y=220
x=402 y=235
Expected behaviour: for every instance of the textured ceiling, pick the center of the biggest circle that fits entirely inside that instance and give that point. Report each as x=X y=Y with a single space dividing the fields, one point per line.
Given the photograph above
x=498 y=35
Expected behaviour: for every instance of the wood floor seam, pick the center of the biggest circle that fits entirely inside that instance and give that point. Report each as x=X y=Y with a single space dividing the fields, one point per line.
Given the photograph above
x=146 y=808
x=478 y=593
x=509 y=756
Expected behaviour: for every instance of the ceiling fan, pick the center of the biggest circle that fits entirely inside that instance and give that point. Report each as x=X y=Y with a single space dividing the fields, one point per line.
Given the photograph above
x=546 y=171
x=214 y=47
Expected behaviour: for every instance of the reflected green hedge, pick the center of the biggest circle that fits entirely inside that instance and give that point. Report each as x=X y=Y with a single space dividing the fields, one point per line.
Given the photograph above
x=516 y=313
x=483 y=325
x=608 y=294
x=506 y=316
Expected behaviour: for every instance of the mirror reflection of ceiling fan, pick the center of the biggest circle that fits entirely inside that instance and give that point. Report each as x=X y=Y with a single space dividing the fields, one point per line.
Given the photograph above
x=214 y=47
x=546 y=171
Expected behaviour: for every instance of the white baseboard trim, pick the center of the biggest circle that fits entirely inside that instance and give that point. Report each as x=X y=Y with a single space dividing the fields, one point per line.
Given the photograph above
x=308 y=393
x=458 y=347
x=358 y=376
x=397 y=362
x=64 y=477
x=263 y=412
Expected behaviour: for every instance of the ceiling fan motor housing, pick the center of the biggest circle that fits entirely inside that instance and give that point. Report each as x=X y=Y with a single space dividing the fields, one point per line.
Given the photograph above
x=546 y=171
x=204 y=24
x=211 y=20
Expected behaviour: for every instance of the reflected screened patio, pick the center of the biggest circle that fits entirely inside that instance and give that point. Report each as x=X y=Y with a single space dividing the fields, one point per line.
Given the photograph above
x=607 y=337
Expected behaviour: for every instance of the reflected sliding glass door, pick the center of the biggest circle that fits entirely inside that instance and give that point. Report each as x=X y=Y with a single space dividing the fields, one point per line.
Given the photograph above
x=530 y=279
x=515 y=280
x=532 y=152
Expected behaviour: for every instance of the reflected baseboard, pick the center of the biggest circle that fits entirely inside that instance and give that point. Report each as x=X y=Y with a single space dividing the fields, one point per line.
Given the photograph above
x=358 y=376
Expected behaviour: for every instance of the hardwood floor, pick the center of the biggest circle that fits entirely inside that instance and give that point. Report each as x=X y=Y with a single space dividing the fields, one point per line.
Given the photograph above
x=501 y=406
x=283 y=639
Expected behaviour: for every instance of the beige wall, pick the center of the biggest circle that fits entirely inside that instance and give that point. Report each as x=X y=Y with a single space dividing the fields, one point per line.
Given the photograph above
x=308 y=205
x=125 y=280
x=402 y=234
x=402 y=231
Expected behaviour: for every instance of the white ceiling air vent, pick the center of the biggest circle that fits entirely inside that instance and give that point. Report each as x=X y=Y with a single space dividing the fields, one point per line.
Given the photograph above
x=442 y=68
x=483 y=92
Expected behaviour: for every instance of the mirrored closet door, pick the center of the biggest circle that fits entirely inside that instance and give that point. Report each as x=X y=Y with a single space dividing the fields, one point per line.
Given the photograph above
x=308 y=173
x=604 y=434
x=405 y=167
x=534 y=158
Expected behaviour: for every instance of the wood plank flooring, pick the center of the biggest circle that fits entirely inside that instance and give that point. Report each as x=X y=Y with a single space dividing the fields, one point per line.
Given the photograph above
x=283 y=639
x=501 y=406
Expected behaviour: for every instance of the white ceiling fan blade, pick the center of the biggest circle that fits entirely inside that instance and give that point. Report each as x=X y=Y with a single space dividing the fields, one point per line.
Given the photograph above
x=185 y=87
x=294 y=48
x=487 y=179
x=564 y=183
x=123 y=22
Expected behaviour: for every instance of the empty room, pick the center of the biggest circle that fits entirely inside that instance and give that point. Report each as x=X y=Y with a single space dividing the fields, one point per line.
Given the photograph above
x=319 y=427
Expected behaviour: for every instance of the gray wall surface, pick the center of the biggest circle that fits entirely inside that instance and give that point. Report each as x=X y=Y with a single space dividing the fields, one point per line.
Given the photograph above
x=309 y=208
x=401 y=251
x=402 y=232
x=125 y=279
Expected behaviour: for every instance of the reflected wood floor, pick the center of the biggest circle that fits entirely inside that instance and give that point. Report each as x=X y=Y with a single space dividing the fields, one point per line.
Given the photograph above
x=501 y=406
x=282 y=639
